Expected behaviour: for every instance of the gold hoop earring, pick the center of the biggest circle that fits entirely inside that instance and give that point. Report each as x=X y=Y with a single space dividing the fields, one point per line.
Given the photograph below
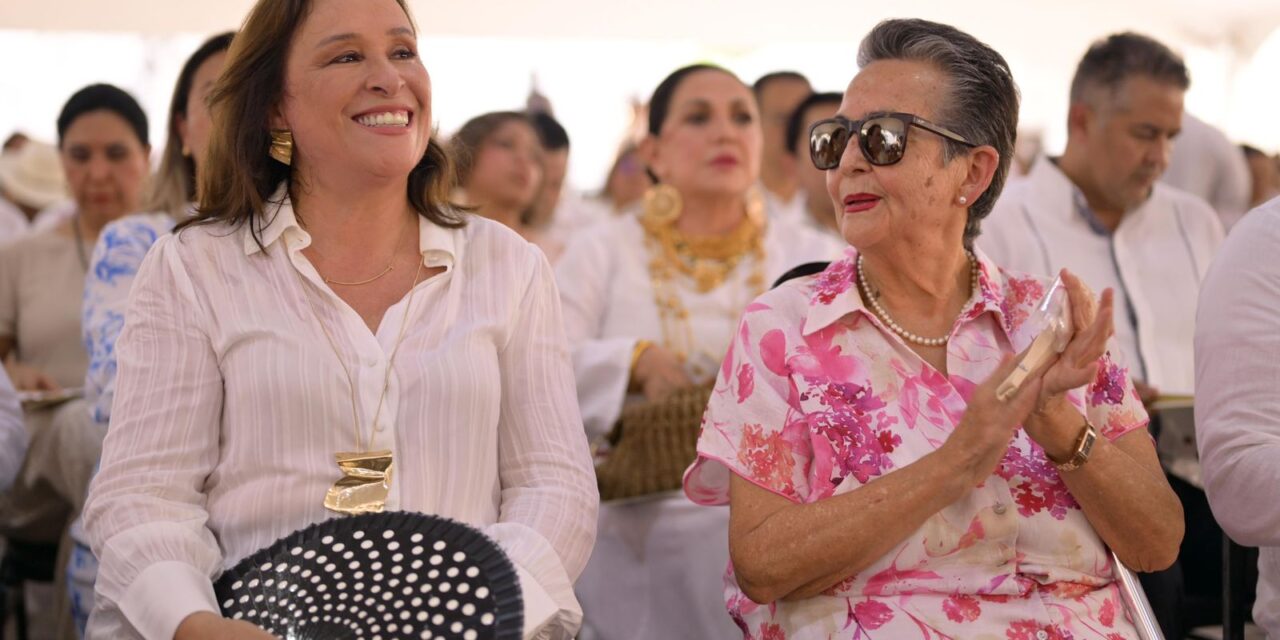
x=662 y=205
x=282 y=146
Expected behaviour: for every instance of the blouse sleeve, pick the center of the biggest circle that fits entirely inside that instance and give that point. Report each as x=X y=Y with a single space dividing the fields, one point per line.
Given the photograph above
x=13 y=433
x=116 y=259
x=1237 y=410
x=754 y=426
x=602 y=366
x=1111 y=401
x=548 y=515
x=146 y=515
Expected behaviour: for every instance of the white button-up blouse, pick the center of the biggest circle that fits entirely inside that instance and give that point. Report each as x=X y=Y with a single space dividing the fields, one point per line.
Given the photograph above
x=230 y=404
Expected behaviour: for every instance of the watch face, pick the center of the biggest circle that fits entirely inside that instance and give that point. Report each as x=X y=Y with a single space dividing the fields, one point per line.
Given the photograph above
x=1084 y=446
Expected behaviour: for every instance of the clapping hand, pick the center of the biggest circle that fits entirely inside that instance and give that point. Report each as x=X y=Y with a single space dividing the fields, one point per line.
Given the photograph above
x=1093 y=323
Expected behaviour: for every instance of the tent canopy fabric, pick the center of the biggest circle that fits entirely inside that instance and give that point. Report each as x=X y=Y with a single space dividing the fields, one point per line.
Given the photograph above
x=1241 y=23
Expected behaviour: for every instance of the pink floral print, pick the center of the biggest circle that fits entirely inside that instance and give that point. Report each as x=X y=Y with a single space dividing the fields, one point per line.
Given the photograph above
x=815 y=398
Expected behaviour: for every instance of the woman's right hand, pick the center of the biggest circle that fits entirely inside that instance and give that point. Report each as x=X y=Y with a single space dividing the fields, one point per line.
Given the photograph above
x=204 y=625
x=27 y=378
x=659 y=373
x=988 y=425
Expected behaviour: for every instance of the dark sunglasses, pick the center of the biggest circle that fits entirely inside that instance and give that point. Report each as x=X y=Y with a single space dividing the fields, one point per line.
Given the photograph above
x=881 y=137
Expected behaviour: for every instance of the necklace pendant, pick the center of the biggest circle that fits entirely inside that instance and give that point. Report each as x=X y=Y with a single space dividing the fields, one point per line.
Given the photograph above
x=365 y=482
x=706 y=276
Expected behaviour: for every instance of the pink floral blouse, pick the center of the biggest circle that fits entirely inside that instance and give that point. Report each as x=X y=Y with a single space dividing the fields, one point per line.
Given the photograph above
x=816 y=398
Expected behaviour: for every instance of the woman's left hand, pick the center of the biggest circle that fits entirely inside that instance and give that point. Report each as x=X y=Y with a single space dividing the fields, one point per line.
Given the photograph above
x=1093 y=323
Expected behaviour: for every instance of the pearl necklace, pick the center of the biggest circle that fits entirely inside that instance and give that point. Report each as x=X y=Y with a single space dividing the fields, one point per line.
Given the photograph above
x=892 y=324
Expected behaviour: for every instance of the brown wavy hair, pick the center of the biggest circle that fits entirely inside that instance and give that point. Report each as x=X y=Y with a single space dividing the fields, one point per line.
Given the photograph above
x=239 y=178
x=173 y=187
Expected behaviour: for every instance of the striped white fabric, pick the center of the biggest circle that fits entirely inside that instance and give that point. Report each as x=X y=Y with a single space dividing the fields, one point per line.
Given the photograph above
x=230 y=405
x=13 y=433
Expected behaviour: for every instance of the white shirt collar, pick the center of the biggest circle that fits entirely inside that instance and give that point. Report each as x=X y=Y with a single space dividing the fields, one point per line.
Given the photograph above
x=440 y=246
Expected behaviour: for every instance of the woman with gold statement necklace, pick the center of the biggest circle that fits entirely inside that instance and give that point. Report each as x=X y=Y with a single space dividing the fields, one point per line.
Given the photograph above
x=329 y=336
x=651 y=304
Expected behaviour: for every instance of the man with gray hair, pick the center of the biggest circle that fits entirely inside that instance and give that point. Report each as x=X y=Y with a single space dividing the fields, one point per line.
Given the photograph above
x=1099 y=211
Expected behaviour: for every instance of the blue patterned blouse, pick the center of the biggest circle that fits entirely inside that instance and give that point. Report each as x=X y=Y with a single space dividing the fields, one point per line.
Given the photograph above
x=121 y=247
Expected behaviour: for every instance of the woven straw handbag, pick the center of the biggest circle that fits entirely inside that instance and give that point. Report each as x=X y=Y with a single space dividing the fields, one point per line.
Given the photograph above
x=652 y=444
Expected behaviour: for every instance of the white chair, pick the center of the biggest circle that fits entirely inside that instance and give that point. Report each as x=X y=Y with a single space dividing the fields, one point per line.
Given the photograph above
x=1135 y=600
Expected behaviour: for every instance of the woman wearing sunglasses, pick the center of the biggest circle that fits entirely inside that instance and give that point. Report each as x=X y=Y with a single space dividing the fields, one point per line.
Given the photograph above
x=859 y=405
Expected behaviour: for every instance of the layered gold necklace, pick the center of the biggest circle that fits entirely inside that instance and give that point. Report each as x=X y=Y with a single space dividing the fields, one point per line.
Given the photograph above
x=705 y=260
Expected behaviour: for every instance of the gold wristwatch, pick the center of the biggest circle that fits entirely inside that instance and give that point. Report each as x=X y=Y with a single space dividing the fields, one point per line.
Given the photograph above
x=1084 y=446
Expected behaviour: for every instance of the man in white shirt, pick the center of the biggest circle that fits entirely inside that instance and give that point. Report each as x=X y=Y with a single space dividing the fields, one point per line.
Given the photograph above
x=13 y=435
x=1099 y=211
x=778 y=93
x=1207 y=164
x=1237 y=402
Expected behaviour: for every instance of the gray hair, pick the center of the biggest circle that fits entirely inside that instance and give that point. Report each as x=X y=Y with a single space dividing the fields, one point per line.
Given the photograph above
x=983 y=101
x=1111 y=61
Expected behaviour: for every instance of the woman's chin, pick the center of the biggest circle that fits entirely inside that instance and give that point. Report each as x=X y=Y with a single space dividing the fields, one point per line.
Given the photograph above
x=383 y=167
x=858 y=233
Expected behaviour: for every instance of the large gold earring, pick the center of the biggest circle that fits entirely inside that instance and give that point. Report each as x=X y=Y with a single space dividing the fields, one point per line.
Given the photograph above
x=282 y=146
x=662 y=205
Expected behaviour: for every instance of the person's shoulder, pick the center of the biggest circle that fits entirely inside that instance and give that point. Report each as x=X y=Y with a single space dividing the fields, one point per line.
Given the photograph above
x=38 y=247
x=1259 y=226
x=789 y=302
x=1006 y=215
x=614 y=228
x=493 y=247
x=211 y=233
x=1165 y=195
x=604 y=238
x=136 y=229
x=1189 y=206
x=153 y=224
x=203 y=242
x=804 y=243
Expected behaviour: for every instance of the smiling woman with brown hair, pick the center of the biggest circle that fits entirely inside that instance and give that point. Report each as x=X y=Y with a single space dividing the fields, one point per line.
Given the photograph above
x=329 y=315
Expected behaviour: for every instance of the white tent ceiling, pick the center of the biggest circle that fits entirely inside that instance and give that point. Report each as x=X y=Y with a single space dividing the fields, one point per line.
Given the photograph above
x=1243 y=23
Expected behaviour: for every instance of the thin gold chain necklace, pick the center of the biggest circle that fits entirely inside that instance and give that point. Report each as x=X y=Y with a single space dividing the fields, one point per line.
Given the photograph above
x=390 y=264
x=366 y=480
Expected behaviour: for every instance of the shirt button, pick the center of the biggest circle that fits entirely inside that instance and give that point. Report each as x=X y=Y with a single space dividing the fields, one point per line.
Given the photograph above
x=1000 y=508
x=1042 y=635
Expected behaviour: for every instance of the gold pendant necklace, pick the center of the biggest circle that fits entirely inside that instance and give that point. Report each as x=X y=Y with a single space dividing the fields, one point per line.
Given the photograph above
x=366 y=475
x=365 y=483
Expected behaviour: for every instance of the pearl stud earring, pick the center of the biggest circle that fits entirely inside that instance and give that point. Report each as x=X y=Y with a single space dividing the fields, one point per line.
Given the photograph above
x=964 y=200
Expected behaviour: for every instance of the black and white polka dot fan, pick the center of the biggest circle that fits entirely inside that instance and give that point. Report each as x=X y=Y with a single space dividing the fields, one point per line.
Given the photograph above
x=378 y=576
